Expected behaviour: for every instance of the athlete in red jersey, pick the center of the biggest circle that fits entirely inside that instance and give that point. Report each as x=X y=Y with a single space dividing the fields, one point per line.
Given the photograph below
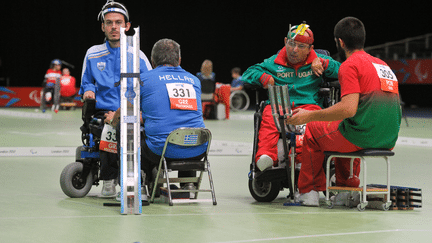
x=67 y=84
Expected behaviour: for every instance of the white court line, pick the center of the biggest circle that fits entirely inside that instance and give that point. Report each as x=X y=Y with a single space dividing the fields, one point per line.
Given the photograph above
x=326 y=235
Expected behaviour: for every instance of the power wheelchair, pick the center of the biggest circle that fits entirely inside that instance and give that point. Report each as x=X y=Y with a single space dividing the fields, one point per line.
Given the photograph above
x=78 y=177
x=265 y=186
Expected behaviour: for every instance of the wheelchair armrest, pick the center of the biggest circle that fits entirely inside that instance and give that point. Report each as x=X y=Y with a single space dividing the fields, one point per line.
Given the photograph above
x=330 y=82
x=89 y=108
x=251 y=86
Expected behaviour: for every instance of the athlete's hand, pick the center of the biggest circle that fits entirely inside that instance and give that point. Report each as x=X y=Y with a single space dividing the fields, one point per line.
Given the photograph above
x=299 y=117
x=89 y=95
x=317 y=67
x=270 y=82
x=109 y=117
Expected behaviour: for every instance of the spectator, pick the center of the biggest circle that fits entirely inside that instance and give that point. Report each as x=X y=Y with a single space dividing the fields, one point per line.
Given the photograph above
x=67 y=85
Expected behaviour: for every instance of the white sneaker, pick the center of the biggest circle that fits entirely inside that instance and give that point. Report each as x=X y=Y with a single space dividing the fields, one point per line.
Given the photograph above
x=344 y=199
x=190 y=186
x=264 y=162
x=108 y=188
x=308 y=199
x=144 y=196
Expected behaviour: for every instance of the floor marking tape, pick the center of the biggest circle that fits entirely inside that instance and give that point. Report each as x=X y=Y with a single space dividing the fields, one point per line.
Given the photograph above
x=222 y=148
x=217 y=148
x=37 y=151
x=7 y=112
x=421 y=142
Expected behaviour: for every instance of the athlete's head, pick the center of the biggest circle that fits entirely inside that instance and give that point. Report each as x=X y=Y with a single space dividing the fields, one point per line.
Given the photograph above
x=298 y=43
x=352 y=33
x=113 y=16
x=166 y=52
x=56 y=64
x=113 y=7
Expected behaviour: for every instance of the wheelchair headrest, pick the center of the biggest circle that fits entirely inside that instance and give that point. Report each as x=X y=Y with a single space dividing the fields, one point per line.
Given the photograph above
x=322 y=51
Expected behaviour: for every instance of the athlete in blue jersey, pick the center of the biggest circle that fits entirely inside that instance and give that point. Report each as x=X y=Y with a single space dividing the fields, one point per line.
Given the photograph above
x=100 y=73
x=170 y=99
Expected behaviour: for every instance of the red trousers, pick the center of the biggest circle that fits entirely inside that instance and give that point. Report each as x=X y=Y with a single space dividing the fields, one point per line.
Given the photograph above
x=222 y=95
x=320 y=137
x=269 y=135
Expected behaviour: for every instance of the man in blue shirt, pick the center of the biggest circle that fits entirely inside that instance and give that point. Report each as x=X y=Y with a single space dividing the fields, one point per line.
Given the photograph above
x=237 y=83
x=170 y=99
x=100 y=73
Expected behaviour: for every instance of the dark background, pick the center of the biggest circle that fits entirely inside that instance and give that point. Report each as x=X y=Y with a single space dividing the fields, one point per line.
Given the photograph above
x=230 y=33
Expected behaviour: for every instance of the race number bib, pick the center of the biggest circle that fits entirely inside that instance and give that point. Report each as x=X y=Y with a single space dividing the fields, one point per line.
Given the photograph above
x=182 y=96
x=108 y=141
x=389 y=82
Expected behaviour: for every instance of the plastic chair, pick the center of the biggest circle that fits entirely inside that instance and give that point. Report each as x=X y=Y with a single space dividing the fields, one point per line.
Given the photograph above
x=185 y=137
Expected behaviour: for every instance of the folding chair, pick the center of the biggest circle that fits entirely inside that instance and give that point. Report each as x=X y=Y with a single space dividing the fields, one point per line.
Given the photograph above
x=187 y=137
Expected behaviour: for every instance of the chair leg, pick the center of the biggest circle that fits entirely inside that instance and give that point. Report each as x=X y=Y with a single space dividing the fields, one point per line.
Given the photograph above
x=168 y=183
x=155 y=183
x=211 y=183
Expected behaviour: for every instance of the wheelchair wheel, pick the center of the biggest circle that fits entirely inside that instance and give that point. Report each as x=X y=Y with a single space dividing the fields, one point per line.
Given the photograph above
x=264 y=191
x=239 y=100
x=71 y=182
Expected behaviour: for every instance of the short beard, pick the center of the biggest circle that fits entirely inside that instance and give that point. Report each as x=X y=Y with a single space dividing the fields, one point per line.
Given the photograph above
x=341 y=52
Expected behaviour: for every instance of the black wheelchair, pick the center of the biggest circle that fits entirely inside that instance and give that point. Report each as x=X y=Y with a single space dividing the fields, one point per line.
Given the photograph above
x=265 y=186
x=78 y=177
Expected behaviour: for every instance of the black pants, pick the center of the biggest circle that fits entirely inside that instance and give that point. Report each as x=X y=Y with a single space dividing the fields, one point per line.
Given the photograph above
x=109 y=162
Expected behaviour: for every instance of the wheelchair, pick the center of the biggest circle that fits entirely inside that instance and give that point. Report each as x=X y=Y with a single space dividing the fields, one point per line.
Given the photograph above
x=50 y=95
x=264 y=186
x=78 y=177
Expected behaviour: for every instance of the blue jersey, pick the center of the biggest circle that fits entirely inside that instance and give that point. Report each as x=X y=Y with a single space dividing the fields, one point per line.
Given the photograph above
x=164 y=111
x=101 y=72
x=237 y=82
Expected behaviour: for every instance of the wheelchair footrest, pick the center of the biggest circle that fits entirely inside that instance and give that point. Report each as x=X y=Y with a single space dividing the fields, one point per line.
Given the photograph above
x=273 y=174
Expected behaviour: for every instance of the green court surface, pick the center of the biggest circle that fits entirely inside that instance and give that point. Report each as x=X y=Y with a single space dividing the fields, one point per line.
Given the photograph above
x=33 y=207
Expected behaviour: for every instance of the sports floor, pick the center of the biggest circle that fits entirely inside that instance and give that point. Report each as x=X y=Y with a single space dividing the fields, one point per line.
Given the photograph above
x=33 y=207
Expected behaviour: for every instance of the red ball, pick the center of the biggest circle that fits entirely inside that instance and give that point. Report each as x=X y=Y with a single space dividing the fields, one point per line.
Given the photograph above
x=353 y=181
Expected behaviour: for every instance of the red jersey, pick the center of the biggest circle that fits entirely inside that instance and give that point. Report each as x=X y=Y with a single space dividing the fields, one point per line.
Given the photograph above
x=67 y=86
x=52 y=75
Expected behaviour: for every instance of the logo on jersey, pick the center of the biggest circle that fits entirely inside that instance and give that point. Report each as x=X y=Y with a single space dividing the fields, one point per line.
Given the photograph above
x=101 y=65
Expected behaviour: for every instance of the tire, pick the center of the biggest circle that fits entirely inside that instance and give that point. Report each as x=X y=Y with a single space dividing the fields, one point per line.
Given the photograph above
x=71 y=182
x=239 y=100
x=264 y=191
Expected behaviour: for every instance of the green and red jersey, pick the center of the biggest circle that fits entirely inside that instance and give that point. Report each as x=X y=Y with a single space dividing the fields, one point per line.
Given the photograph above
x=303 y=84
x=377 y=121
